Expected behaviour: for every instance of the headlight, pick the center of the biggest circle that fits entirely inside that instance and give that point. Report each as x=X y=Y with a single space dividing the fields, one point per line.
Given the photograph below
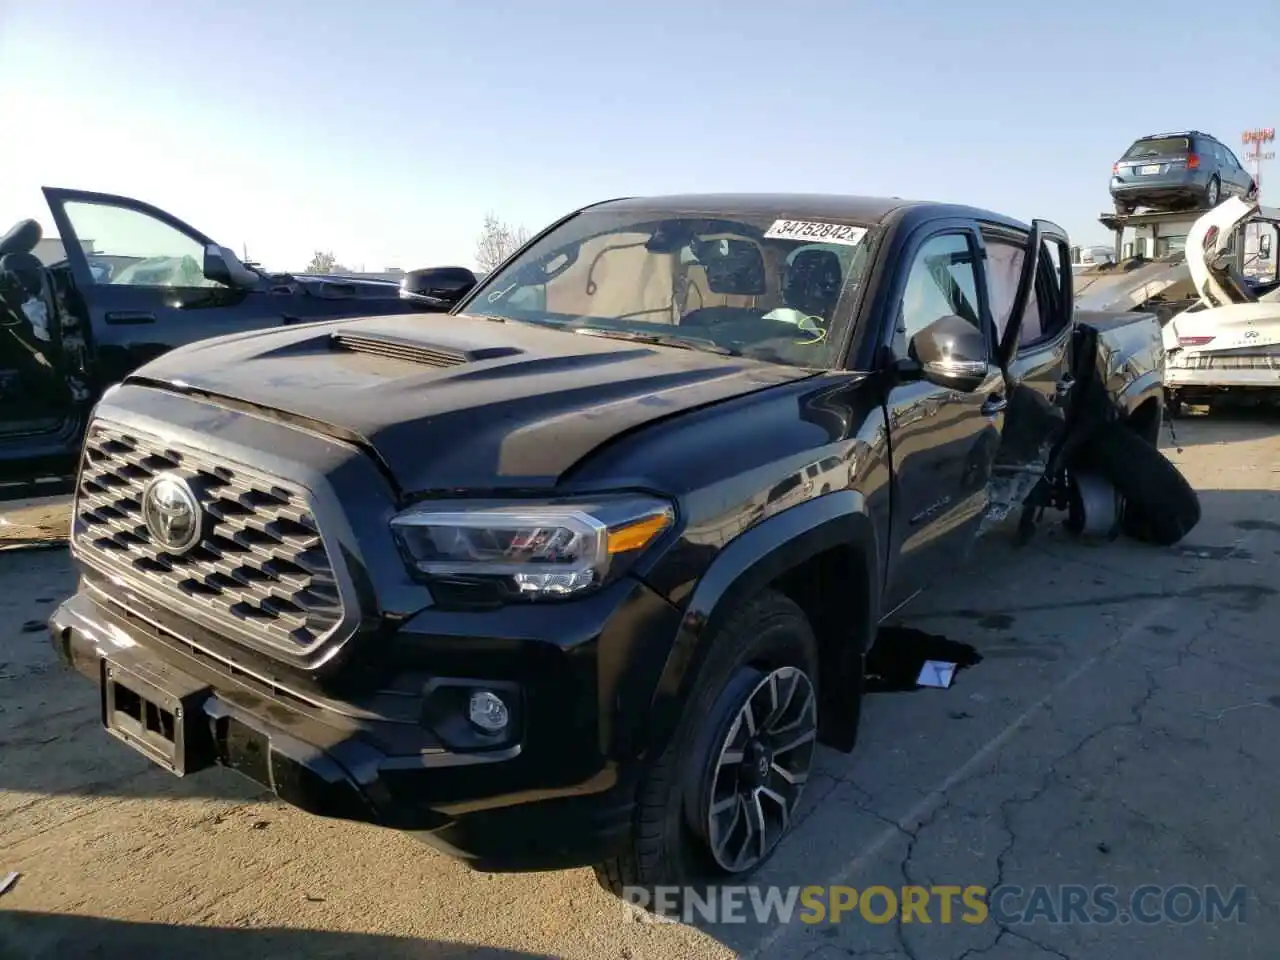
x=535 y=551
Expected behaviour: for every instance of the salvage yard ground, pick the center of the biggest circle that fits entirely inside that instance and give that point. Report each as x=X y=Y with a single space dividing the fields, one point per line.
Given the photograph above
x=1122 y=727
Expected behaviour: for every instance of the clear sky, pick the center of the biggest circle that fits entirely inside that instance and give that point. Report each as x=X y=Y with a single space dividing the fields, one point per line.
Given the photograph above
x=385 y=130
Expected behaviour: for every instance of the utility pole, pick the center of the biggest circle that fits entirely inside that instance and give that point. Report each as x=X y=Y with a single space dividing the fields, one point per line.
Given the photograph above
x=1254 y=139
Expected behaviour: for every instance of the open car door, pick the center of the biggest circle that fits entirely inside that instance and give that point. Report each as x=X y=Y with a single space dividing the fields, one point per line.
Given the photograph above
x=42 y=399
x=1034 y=349
x=147 y=282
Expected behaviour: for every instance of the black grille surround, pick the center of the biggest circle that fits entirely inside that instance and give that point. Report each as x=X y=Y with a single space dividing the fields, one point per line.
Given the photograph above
x=260 y=574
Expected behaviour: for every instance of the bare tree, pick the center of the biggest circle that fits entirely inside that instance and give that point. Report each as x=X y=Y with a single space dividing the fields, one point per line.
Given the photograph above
x=323 y=261
x=497 y=241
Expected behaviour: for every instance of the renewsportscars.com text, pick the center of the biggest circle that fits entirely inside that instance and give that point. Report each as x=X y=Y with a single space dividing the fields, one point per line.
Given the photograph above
x=942 y=904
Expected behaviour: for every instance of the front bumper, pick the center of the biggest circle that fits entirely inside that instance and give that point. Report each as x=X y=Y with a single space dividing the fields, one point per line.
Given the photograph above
x=501 y=808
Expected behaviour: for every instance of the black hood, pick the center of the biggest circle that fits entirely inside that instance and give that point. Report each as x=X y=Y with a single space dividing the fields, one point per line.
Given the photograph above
x=456 y=402
x=345 y=288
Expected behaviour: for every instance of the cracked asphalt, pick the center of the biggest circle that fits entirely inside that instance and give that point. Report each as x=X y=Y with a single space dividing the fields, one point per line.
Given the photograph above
x=1122 y=729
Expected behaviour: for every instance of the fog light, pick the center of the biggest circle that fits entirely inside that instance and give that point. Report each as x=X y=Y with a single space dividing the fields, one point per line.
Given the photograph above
x=488 y=712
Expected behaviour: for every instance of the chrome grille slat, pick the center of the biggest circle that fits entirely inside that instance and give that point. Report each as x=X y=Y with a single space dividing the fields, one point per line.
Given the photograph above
x=261 y=564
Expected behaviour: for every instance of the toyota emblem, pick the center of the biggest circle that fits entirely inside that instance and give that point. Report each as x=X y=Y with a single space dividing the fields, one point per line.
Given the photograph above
x=171 y=513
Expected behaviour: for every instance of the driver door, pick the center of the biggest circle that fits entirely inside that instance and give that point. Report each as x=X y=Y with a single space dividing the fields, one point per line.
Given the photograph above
x=944 y=440
x=140 y=278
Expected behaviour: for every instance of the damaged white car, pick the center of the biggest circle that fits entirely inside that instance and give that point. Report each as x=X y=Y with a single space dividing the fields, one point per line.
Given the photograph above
x=1227 y=344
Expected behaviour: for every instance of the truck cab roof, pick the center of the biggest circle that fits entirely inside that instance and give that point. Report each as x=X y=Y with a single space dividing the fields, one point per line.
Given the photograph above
x=863 y=210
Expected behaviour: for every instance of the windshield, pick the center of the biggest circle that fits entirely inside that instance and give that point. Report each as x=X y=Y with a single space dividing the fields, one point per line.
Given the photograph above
x=763 y=287
x=1160 y=147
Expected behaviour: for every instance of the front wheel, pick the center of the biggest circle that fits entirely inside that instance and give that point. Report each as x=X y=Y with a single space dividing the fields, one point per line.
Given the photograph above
x=724 y=792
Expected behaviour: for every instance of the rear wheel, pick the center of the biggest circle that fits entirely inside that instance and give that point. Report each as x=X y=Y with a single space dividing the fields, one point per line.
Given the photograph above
x=1213 y=192
x=1124 y=209
x=1160 y=506
x=725 y=790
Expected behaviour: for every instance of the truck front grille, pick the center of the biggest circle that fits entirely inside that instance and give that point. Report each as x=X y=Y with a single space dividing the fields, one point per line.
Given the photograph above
x=259 y=567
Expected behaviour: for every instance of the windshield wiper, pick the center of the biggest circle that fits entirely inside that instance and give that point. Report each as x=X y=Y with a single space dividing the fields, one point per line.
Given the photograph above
x=662 y=340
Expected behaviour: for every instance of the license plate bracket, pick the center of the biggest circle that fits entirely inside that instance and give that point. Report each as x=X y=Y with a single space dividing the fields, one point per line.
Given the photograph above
x=157 y=710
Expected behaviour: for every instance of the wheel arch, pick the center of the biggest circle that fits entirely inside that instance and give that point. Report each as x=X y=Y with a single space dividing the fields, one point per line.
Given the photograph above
x=824 y=555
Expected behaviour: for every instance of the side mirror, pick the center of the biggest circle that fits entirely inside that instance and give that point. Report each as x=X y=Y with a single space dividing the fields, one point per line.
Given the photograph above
x=223 y=266
x=438 y=287
x=951 y=352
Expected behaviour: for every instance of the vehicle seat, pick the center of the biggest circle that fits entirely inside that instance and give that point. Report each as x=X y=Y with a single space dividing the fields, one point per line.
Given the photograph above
x=27 y=269
x=22 y=238
x=28 y=274
x=813 y=283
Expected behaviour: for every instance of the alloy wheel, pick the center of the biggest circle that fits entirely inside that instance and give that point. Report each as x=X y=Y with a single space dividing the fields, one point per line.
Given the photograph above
x=1213 y=193
x=761 y=769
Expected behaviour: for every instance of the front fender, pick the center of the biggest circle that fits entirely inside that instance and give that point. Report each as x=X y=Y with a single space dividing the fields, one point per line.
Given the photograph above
x=752 y=562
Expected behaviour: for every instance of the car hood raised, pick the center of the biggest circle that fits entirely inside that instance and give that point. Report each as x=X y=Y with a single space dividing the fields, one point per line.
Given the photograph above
x=455 y=402
x=1209 y=237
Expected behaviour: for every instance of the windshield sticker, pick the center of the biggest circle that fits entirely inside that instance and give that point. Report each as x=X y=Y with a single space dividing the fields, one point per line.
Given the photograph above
x=816 y=232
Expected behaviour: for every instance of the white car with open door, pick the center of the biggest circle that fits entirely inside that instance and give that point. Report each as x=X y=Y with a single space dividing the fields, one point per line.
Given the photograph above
x=1228 y=343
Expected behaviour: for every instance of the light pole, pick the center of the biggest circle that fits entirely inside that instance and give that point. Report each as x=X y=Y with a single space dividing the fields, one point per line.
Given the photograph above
x=1255 y=140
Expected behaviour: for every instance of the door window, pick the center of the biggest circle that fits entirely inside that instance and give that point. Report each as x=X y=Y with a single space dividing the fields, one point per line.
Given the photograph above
x=1004 y=267
x=942 y=282
x=129 y=248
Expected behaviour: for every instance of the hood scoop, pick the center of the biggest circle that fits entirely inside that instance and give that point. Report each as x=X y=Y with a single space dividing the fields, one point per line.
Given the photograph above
x=409 y=350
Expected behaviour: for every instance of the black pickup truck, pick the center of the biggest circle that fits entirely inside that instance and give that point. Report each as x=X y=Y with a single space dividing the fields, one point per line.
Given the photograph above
x=127 y=282
x=583 y=572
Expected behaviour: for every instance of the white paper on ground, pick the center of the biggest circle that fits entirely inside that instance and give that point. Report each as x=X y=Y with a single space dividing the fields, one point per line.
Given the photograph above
x=936 y=673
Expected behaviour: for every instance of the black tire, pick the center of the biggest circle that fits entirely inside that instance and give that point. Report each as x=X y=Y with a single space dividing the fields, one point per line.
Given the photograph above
x=768 y=632
x=1213 y=193
x=1124 y=209
x=1161 y=507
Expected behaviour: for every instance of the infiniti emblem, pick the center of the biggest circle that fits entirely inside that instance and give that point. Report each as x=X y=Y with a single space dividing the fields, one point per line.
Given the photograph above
x=171 y=513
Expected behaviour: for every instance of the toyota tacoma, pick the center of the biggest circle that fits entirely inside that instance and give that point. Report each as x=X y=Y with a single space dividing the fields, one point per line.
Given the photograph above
x=585 y=570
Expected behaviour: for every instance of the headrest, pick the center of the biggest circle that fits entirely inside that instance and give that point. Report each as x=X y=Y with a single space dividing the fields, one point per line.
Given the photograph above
x=813 y=281
x=22 y=238
x=26 y=269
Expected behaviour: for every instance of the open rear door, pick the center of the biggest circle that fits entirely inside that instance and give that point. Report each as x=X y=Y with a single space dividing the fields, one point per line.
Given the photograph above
x=1035 y=347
